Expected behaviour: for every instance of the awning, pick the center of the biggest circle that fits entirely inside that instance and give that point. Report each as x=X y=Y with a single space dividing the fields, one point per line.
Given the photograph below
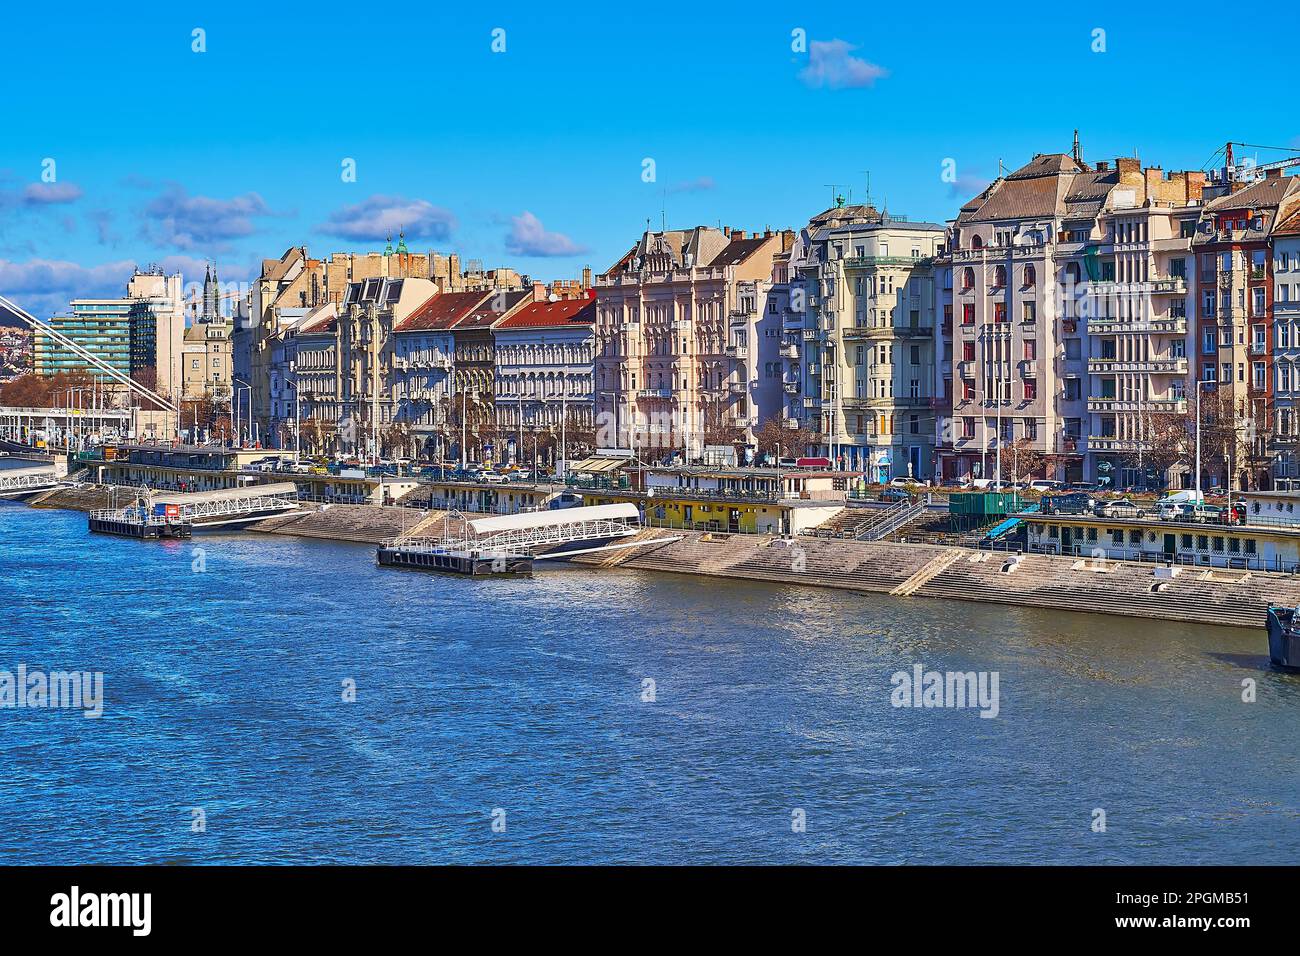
x=599 y=464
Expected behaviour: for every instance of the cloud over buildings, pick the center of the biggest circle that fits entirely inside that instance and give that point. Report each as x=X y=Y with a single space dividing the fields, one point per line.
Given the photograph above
x=528 y=237
x=178 y=220
x=379 y=217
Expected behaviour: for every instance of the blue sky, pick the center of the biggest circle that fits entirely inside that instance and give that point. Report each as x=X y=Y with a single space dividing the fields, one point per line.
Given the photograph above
x=533 y=157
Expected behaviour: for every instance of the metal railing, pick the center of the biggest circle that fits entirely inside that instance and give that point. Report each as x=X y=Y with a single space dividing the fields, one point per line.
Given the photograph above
x=522 y=539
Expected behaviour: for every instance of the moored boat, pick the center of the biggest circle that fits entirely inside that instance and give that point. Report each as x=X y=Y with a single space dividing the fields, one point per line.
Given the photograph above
x=1283 y=638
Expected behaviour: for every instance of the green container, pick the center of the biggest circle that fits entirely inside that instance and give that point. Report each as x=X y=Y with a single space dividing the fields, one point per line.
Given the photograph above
x=984 y=503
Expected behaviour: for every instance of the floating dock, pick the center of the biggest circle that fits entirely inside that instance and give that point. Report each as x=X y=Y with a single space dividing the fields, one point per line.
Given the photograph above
x=421 y=556
x=140 y=522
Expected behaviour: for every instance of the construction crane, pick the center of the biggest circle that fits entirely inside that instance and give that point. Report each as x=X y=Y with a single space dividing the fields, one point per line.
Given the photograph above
x=1249 y=171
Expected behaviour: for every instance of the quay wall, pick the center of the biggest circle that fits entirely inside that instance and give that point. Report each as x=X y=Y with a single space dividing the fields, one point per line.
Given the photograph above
x=1195 y=595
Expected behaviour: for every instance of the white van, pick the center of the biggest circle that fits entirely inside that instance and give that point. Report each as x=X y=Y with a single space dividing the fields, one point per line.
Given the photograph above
x=1179 y=506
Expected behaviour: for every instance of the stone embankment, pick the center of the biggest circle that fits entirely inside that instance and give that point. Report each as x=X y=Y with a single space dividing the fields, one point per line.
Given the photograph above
x=1195 y=595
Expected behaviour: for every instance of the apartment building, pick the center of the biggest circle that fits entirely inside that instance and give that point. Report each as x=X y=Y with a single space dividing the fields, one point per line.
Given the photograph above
x=370 y=312
x=1285 y=333
x=1235 y=319
x=868 y=377
x=664 y=378
x=1067 y=288
x=543 y=360
x=1137 y=319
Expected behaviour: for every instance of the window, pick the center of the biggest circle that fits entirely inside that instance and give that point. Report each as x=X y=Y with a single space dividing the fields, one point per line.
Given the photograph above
x=1031 y=349
x=1073 y=389
x=1028 y=313
x=1031 y=276
x=968 y=351
x=968 y=427
x=968 y=314
x=1031 y=389
x=1258 y=375
x=1000 y=277
x=1208 y=340
x=999 y=312
x=1257 y=301
x=968 y=389
x=968 y=278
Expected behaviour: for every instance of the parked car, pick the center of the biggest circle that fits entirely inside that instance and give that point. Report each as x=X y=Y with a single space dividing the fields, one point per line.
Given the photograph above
x=906 y=482
x=1120 y=508
x=895 y=494
x=491 y=477
x=1044 y=485
x=1069 y=504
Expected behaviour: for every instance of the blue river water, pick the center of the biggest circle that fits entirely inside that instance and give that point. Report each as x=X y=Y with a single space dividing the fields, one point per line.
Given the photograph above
x=226 y=661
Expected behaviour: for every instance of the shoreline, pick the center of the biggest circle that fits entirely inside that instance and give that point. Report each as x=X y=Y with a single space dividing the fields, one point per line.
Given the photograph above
x=1114 y=588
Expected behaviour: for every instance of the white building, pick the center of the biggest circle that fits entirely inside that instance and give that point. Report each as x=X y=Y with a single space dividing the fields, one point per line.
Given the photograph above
x=543 y=373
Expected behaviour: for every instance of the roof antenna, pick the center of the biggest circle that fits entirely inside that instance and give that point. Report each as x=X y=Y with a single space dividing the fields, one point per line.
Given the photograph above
x=1077 y=152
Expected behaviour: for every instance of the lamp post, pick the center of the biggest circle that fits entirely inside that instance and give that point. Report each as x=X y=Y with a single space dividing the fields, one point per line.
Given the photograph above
x=234 y=401
x=297 y=416
x=1199 y=386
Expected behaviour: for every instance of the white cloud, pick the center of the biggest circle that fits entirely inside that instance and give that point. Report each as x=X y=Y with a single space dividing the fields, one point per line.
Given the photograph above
x=42 y=194
x=380 y=217
x=45 y=286
x=832 y=63
x=528 y=237
x=178 y=220
x=702 y=184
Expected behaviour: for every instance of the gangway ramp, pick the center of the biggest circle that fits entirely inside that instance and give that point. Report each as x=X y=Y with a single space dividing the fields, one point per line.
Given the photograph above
x=231 y=505
x=16 y=482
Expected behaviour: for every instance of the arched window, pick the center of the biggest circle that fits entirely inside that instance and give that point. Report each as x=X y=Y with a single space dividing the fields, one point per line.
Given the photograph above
x=977 y=243
x=1071 y=273
x=1031 y=276
x=968 y=278
x=1000 y=277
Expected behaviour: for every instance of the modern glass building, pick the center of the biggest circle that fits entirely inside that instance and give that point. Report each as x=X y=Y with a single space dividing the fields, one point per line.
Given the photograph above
x=100 y=326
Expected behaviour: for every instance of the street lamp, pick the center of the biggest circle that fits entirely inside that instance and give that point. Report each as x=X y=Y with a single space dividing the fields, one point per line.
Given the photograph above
x=297 y=416
x=239 y=385
x=1203 y=382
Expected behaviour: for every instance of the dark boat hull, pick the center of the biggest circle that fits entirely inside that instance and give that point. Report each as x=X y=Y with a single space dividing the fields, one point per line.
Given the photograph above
x=1283 y=642
x=135 y=529
x=453 y=563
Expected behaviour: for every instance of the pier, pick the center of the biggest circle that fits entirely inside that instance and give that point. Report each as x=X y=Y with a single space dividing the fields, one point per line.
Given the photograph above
x=509 y=544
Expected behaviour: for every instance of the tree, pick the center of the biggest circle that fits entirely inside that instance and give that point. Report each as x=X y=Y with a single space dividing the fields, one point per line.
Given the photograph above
x=775 y=439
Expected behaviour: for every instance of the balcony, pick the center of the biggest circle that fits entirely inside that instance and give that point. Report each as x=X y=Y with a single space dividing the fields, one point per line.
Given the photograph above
x=655 y=393
x=1171 y=285
x=1157 y=325
x=810 y=335
x=737 y=352
x=1175 y=405
x=1103 y=443
x=1167 y=366
x=790 y=423
x=869 y=262
x=792 y=388
x=888 y=331
x=738 y=388
x=810 y=402
x=814 y=368
x=789 y=351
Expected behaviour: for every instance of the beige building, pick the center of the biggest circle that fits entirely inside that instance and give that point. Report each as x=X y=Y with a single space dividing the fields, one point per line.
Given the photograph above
x=868 y=373
x=1064 y=312
x=206 y=367
x=665 y=380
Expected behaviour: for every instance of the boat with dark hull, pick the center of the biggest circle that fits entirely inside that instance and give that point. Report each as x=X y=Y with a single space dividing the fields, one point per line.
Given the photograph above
x=470 y=562
x=1284 y=638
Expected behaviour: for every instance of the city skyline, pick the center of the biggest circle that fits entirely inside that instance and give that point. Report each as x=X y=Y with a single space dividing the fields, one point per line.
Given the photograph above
x=212 y=164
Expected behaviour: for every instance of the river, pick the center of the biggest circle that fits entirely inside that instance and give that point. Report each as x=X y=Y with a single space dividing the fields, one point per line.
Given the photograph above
x=514 y=721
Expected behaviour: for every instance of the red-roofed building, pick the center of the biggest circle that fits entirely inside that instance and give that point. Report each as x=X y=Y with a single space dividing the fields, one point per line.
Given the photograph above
x=543 y=376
